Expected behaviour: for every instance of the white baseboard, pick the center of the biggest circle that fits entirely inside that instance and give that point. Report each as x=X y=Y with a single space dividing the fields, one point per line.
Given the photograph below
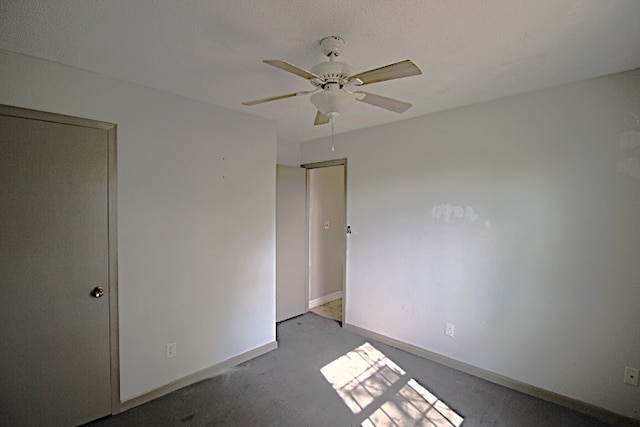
x=209 y=372
x=325 y=299
x=578 y=405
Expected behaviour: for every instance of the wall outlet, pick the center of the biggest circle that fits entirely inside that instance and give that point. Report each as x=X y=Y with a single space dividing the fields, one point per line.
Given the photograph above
x=449 y=329
x=631 y=376
x=170 y=350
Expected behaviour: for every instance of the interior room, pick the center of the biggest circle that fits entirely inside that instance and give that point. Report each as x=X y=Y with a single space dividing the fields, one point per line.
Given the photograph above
x=475 y=204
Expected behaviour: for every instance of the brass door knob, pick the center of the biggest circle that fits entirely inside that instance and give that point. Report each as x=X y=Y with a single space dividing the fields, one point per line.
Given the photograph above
x=97 y=292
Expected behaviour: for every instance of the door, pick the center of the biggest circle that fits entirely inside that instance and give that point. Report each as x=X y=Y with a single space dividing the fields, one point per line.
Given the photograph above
x=291 y=295
x=55 y=366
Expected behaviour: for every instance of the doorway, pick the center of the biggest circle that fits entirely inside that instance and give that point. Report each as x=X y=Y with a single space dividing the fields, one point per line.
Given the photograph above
x=58 y=277
x=326 y=219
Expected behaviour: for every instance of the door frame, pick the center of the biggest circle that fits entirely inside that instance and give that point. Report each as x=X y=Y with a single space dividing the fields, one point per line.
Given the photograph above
x=318 y=165
x=112 y=155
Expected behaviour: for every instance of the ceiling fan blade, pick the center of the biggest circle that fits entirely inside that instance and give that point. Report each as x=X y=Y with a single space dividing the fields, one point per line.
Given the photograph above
x=398 y=70
x=273 y=98
x=383 y=102
x=321 y=119
x=292 y=68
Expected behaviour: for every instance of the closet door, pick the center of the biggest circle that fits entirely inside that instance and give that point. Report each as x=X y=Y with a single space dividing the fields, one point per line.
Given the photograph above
x=54 y=273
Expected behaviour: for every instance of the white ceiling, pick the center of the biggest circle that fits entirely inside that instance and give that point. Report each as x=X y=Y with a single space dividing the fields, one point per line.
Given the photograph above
x=469 y=50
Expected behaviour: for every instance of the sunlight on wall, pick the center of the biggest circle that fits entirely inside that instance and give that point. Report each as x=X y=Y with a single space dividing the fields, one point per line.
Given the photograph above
x=381 y=392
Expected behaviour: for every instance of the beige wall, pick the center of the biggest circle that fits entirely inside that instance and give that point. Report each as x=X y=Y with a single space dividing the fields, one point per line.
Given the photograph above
x=196 y=218
x=518 y=221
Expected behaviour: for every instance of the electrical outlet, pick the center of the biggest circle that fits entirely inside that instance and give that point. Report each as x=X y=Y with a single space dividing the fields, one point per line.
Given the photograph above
x=449 y=329
x=170 y=350
x=631 y=376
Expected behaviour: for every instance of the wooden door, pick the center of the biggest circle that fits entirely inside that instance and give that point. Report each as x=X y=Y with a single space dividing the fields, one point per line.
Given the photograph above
x=291 y=293
x=55 y=365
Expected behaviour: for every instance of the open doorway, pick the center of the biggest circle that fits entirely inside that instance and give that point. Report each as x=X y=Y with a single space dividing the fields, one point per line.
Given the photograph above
x=326 y=219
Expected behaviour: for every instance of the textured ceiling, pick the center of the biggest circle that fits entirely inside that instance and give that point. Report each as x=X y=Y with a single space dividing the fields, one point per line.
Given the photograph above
x=469 y=50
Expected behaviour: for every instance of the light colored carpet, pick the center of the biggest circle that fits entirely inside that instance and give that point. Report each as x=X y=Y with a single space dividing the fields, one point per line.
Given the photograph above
x=323 y=375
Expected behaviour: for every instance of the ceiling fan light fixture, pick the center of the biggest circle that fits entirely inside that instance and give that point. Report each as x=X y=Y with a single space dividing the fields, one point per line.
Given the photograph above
x=332 y=100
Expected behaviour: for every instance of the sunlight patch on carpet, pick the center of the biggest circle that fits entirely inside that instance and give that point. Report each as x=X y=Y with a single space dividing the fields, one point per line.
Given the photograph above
x=382 y=394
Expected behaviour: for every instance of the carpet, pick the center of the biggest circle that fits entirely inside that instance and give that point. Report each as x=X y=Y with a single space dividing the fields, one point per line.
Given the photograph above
x=323 y=375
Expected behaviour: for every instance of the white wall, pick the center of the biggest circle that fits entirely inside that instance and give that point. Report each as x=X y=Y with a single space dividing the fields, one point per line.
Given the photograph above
x=288 y=153
x=291 y=242
x=196 y=217
x=518 y=221
x=326 y=245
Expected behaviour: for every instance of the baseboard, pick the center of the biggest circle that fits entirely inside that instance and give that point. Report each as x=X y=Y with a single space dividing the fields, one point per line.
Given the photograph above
x=209 y=372
x=325 y=299
x=549 y=396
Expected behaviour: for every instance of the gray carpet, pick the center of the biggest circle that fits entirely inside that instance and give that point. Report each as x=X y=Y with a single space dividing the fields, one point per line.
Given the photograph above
x=359 y=384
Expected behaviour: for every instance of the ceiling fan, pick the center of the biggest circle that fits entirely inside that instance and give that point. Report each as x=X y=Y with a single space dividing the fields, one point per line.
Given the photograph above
x=334 y=82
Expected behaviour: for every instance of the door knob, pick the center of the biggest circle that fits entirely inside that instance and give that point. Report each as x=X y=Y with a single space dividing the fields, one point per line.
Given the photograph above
x=97 y=292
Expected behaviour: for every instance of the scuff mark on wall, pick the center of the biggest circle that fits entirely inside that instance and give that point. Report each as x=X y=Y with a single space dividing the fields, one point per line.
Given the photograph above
x=451 y=213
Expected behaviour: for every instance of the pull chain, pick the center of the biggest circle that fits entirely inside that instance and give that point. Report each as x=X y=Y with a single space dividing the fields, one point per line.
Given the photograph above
x=333 y=148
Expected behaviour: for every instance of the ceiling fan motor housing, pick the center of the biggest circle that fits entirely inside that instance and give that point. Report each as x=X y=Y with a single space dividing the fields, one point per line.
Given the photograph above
x=331 y=72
